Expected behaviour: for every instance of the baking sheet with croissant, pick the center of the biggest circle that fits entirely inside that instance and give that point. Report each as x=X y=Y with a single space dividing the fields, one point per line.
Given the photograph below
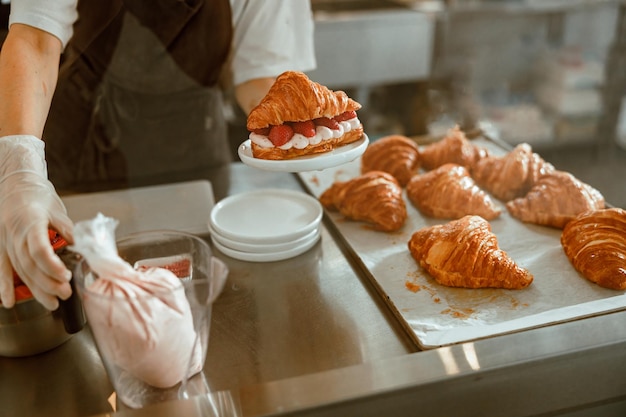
x=435 y=315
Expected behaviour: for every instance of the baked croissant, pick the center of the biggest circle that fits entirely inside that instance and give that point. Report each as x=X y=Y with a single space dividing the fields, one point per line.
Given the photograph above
x=374 y=197
x=512 y=175
x=395 y=154
x=448 y=192
x=453 y=148
x=595 y=244
x=300 y=117
x=465 y=253
x=555 y=199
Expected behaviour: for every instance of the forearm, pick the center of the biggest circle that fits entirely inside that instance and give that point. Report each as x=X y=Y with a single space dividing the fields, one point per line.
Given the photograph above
x=29 y=64
x=250 y=93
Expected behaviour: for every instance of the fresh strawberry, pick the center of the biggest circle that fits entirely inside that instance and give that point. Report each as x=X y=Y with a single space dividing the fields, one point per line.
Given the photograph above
x=280 y=134
x=306 y=128
x=328 y=122
x=262 y=131
x=345 y=116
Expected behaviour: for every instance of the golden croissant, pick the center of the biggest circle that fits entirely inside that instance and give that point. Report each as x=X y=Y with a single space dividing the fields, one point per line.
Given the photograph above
x=595 y=244
x=453 y=148
x=448 y=192
x=374 y=197
x=512 y=175
x=395 y=154
x=465 y=253
x=555 y=199
x=300 y=117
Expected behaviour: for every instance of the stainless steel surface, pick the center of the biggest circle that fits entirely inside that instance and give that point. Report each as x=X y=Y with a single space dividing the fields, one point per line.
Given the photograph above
x=309 y=336
x=304 y=315
x=28 y=329
x=273 y=321
x=571 y=370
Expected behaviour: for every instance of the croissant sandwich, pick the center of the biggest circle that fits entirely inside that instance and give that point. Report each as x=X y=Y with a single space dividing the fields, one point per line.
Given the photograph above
x=465 y=253
x=300 y=117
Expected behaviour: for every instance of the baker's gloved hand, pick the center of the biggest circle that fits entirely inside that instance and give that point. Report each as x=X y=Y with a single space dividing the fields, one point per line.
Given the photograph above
x=29 y=206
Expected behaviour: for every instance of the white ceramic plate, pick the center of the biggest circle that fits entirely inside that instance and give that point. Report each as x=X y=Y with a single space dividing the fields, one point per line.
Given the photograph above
x=268 y=257
x=261 y=247
x=266 y=216
x=338 y=156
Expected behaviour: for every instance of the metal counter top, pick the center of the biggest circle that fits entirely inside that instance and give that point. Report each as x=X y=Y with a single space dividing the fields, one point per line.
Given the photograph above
x=310 y=336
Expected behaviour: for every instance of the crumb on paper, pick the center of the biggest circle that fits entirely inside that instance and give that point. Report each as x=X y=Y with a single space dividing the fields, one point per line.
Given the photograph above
x=411 y=286
x=459 y=313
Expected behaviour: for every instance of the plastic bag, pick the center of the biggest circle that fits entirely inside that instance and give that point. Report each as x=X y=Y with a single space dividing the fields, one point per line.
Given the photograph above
x=141 y=319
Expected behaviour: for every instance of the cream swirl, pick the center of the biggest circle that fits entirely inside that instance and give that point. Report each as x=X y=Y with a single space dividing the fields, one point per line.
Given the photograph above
x=298 y=141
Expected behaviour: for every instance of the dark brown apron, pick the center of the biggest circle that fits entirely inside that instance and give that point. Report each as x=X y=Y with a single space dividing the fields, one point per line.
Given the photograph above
x=138 y=104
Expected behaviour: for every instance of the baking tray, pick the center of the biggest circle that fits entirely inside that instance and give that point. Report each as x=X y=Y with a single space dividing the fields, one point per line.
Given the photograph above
x=435 y=315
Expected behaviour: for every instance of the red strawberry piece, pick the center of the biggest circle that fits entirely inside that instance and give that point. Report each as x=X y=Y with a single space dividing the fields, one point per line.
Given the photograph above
x=280 y=134
x=345 y=116
x=262 y=131
x=306 y=128
x=328 y=122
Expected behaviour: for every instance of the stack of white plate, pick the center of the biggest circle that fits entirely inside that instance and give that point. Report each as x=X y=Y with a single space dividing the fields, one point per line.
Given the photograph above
x=266 y=225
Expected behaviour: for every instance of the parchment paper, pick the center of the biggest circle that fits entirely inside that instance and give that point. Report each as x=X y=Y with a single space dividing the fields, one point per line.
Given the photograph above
x=436 y=315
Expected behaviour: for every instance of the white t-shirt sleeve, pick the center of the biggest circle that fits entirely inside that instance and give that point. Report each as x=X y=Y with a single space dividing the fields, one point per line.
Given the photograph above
x=270 y=37
x=53 y=16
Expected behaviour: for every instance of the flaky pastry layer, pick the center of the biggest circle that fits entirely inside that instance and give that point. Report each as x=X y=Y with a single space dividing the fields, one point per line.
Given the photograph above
x=295 y=98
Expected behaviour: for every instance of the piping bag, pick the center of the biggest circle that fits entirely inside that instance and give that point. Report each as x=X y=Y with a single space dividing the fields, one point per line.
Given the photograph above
x=141 y=319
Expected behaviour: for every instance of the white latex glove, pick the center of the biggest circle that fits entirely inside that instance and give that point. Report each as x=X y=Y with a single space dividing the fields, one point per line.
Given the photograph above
x=29 y=205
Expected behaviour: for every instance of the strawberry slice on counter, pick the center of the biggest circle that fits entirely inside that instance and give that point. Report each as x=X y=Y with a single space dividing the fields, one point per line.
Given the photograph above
x=306 y=128
x=280 y=134
x=327 y=122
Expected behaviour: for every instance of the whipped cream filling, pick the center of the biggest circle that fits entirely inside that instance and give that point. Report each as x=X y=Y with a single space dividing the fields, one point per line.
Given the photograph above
x=298 y=141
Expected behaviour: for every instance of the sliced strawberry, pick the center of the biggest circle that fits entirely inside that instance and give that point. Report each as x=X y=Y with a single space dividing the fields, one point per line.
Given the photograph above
x=306 y=128
x=263 y=131
x=280 y=134
x=345 y=116
x=328 y=122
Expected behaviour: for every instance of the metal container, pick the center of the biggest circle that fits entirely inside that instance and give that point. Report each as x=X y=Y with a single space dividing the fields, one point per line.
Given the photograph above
x=29 y=328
